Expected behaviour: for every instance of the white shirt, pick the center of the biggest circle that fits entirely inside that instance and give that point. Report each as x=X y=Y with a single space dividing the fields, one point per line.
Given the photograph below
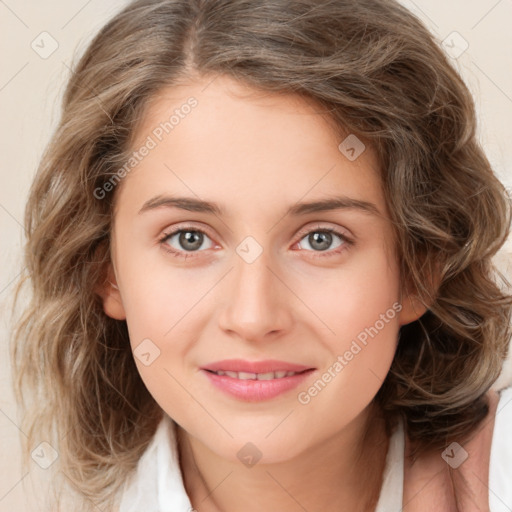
x=157 y=485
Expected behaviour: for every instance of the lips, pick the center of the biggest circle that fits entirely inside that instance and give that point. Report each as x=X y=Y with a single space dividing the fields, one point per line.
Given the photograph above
x=253 y=381
x=255 y=367
x=256 y=376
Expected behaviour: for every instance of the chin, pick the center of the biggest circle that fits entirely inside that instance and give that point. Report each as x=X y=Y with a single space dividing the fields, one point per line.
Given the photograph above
x=256 y=450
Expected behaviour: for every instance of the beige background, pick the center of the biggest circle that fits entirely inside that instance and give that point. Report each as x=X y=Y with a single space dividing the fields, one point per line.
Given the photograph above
x=30 y=89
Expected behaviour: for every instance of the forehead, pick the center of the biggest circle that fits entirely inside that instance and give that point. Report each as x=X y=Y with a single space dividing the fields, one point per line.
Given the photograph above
x=219 y=138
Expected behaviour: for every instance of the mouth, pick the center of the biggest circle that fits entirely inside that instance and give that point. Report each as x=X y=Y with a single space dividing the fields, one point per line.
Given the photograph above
x=247 y=367
x=281 y=374
x=256 y=387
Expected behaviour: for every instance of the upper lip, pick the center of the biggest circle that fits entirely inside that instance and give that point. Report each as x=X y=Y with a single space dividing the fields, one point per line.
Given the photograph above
x=266 y=366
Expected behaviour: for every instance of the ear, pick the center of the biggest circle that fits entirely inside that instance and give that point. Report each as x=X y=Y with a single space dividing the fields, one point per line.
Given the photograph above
x=110 y=296
x=412 y=307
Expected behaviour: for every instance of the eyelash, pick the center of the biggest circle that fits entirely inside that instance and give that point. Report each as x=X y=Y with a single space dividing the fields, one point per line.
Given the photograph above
x=347 y=242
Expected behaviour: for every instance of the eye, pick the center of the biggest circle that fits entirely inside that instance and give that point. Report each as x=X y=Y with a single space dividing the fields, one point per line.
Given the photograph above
x=187 y=240
x=321 y=239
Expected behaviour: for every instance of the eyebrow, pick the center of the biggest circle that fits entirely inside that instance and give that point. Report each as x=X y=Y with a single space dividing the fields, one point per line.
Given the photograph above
x=192 y=204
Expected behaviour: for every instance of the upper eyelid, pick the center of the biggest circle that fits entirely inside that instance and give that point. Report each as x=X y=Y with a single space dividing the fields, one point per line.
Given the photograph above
x=175 y=230
x=304 y=231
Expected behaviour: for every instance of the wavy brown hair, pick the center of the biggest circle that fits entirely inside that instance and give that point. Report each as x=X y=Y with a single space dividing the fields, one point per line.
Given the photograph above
x=377 y=72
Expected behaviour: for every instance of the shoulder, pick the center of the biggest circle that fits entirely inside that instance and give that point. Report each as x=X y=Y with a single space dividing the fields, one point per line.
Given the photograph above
x=140 y=490
x=500 y=471
x=158 y=483
x=458 y=478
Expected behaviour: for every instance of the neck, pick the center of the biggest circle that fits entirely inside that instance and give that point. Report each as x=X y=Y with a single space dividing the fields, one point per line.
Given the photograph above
x=340 y=473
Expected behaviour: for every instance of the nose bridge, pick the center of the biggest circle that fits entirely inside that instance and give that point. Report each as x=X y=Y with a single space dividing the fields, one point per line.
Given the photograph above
x=256 y=304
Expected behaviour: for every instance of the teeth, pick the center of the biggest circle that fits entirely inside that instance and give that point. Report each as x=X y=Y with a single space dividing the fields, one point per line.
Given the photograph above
x=256 y=376
x=245 y=375
x=265 y=376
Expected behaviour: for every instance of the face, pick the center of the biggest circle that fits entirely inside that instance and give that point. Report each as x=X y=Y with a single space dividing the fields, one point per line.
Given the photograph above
x=243 y=270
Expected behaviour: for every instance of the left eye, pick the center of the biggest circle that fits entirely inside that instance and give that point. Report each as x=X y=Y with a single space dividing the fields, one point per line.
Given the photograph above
x=321 y=240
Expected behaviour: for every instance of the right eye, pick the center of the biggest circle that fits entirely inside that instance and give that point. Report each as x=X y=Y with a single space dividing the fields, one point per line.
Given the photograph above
x=186 y=240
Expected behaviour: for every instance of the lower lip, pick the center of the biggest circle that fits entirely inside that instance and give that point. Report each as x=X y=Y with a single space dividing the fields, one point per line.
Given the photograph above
x=252 y=390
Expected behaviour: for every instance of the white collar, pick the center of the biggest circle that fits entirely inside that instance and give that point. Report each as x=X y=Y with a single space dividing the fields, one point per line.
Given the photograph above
x=157 y=485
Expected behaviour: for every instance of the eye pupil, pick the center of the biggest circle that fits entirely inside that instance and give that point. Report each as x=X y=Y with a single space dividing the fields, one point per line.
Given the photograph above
x=189 y=240
x=324 y=239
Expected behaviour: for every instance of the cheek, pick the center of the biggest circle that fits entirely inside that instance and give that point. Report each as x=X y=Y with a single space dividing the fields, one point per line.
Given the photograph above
x=161 y=305
x=156 y=297
x=358 y=309
x=353 y=297
x=359 y=347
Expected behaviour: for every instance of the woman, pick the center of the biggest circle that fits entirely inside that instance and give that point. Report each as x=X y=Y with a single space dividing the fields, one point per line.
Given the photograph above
x=255 y=132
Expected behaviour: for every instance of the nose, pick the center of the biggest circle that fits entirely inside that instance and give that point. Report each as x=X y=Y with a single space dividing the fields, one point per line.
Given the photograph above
x=257 y=301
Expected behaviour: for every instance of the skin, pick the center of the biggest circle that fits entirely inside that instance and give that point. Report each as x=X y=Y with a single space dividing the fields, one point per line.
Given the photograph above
x=255 y=155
